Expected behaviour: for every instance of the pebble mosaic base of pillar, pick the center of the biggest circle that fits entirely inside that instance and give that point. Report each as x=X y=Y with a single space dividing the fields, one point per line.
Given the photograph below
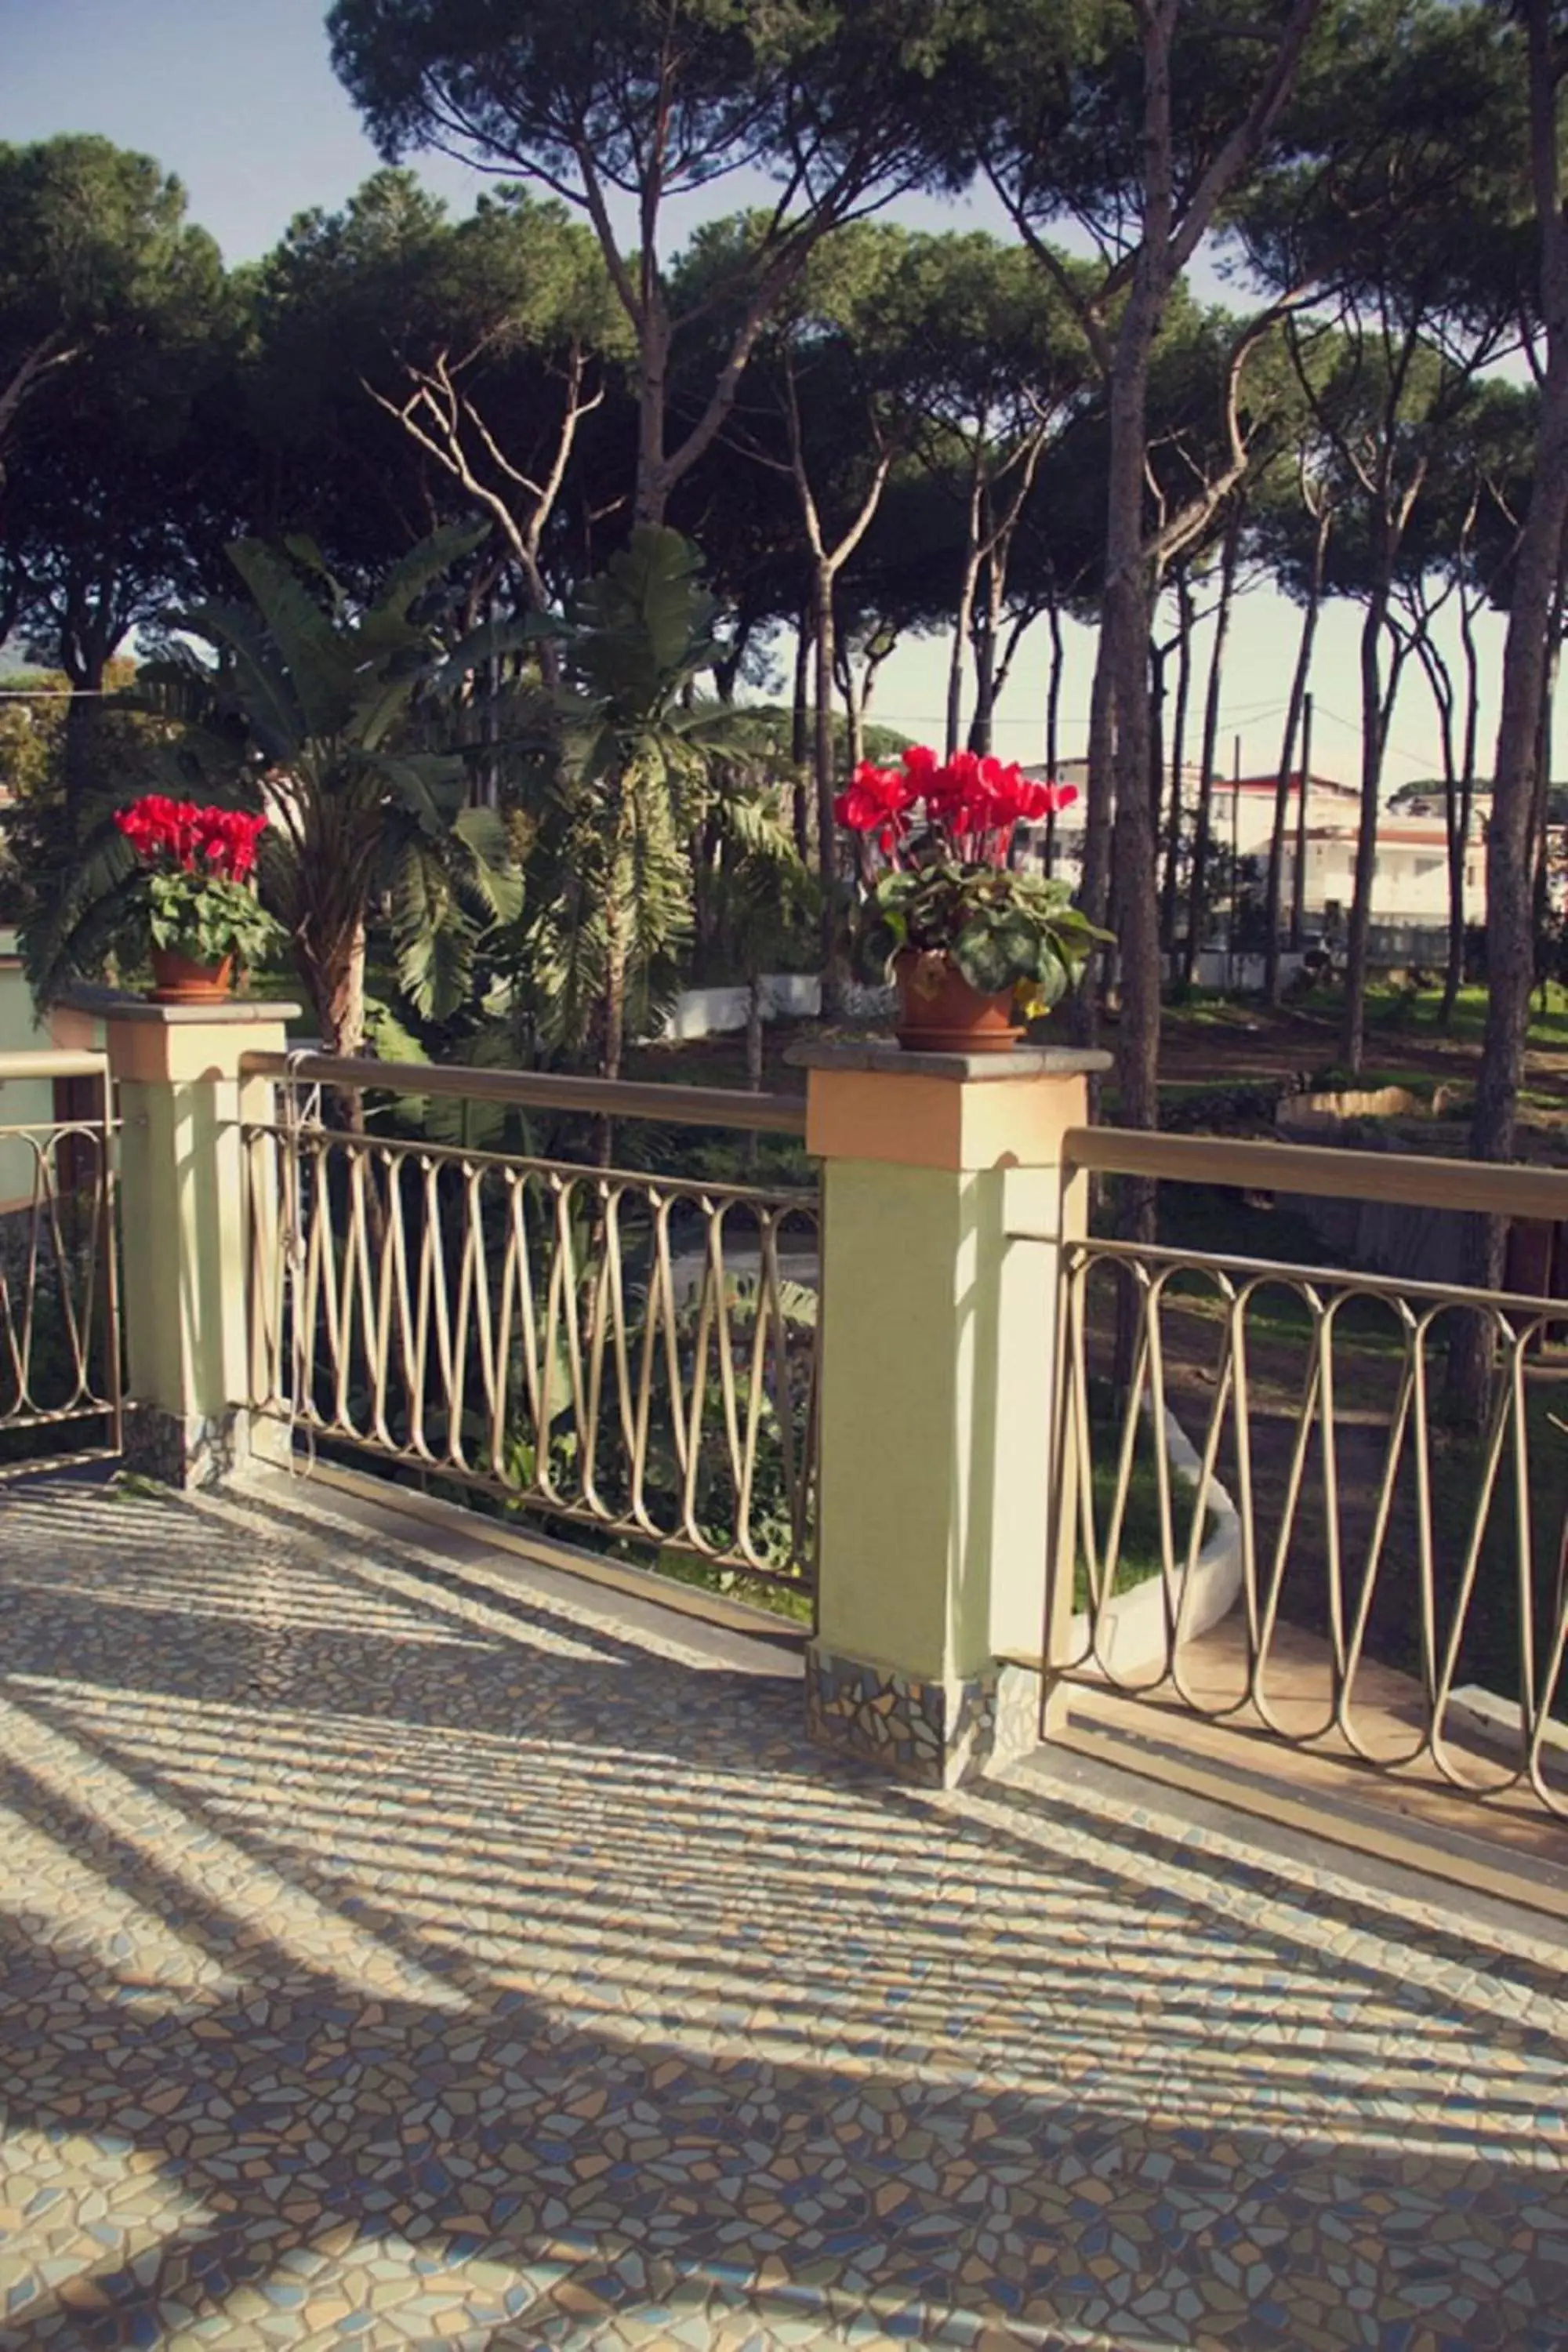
x=934 y=1734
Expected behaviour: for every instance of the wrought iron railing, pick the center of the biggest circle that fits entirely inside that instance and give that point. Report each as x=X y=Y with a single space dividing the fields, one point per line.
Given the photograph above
x=598 y=1347
x=1275 y=1511
x=60 y=1301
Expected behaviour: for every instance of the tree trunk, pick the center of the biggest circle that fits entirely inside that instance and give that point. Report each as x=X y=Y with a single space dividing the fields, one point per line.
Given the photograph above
x=756 y=1063
x=1098 y=815
x=653 y=372
x=1053 y=721
x=334 y=982
x=1171 y=885
x=1373 y=721
x=614 y=1040
x=1525 y=651
x=964 y=617
x=1541 y=817
x=755 y=1033
x=822 y=764
x=336 y=985
x=1303 y=671
x=800 y=737
x=982 y=725
x=1454 y=977
x=1203 y=831
x=1454 y=825
x=85 y=659
x=800 y=707
x=1156 y=735
x=853 y=707
x=1299 y=878
x=1128 y=613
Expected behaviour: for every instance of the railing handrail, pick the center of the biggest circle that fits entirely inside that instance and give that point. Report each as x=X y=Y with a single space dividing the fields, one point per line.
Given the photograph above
x=52 y=1062
x=1262 y=1273
x=763 y=1114
x=471 y=1158
x=1407 y=1180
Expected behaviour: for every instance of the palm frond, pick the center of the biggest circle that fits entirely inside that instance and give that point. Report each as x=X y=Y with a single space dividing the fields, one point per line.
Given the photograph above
x=254 y=684
x=317 y=655
x=487 y=869
x=425 y=920
x=386 y=625
x=427 y=784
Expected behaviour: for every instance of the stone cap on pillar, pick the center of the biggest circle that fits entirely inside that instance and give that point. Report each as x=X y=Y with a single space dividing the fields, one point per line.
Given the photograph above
x=178 y=1043
x=867 y=1099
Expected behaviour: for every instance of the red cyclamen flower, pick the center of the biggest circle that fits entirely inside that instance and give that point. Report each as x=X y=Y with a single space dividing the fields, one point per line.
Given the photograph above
x=971 y=803
x=221 y=842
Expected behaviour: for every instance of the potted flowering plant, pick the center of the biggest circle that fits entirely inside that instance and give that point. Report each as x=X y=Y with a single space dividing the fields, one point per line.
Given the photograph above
x=975 y=946
x=197 y=913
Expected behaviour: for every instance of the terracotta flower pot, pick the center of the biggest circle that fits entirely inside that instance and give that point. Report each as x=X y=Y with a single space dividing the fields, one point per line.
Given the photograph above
x=939 y=1013
x=181 y=980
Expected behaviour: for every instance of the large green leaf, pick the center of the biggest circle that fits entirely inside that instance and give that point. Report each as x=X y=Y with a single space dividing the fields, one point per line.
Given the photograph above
x=319 y=659
x=489 y=868
x=449 y=968
x=256 y=679
x=383 y=704
x=387 y=624
x=433 y=944
x=428 y=784
x=494 y=641
x=982 y=958
x=644 y=625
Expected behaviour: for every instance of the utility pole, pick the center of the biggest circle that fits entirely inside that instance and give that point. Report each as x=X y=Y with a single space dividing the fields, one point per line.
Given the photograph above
x=1299 y=879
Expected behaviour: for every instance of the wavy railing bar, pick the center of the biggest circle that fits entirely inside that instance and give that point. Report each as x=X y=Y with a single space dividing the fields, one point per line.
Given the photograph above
x=1323 y=1171
x=546 y=1090
x=60 y=1297
x=1385 y=1562
x=597 y=1347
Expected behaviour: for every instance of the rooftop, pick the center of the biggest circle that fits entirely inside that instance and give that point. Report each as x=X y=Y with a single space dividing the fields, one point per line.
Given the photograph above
x=401 y=1948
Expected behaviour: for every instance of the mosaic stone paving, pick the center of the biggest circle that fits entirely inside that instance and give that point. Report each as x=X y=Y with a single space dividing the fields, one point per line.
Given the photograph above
x=383 y=1962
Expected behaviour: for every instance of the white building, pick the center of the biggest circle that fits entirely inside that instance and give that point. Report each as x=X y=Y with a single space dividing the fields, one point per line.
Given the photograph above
x=1410 y=873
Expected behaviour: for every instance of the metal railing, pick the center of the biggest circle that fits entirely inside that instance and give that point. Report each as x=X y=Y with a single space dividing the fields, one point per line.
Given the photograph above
x=1271 y=1516
x=600 y=1347
x=61 y=1395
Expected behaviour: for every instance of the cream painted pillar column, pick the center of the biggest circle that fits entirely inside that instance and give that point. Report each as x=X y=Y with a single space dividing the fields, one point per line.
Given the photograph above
x=935 y=1503
x=182 y=1226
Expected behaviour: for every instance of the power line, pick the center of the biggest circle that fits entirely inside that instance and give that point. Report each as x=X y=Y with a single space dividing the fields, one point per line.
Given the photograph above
x=1395 y=750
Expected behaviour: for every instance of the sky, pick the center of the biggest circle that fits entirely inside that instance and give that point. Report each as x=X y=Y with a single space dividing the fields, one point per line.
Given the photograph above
x=238 y=98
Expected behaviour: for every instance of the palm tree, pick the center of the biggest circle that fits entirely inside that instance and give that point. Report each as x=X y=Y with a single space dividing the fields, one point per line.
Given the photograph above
x=768 y=897
x=631 y=765
x=328 y=712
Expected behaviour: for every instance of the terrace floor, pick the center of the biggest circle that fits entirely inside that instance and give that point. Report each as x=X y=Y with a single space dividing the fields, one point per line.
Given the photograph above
x=390 y=1957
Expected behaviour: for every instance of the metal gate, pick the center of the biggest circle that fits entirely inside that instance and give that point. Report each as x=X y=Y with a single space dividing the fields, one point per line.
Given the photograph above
x=609 y=1351
x=60 y=1369
x=1284 y=1509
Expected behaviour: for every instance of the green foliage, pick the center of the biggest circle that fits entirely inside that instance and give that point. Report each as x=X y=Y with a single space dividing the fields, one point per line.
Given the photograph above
x=316 y=709
x=207 y=918
x=94 y=236
x=1002 y=929
x=617 y=93
x=329 y=693
x=625 y=767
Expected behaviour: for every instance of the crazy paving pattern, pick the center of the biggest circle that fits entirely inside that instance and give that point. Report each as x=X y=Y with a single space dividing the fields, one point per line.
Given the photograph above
x=386 y=1962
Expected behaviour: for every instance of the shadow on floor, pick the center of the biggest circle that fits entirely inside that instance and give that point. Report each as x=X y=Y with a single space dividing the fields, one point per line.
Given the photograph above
x=386 y=1964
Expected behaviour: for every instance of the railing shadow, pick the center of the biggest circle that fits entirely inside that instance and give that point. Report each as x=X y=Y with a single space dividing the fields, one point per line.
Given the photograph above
x=565 y=1981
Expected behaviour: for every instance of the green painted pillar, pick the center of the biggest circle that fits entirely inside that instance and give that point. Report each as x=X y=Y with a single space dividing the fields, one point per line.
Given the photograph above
x=936 y=1513
x=182 y=1221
